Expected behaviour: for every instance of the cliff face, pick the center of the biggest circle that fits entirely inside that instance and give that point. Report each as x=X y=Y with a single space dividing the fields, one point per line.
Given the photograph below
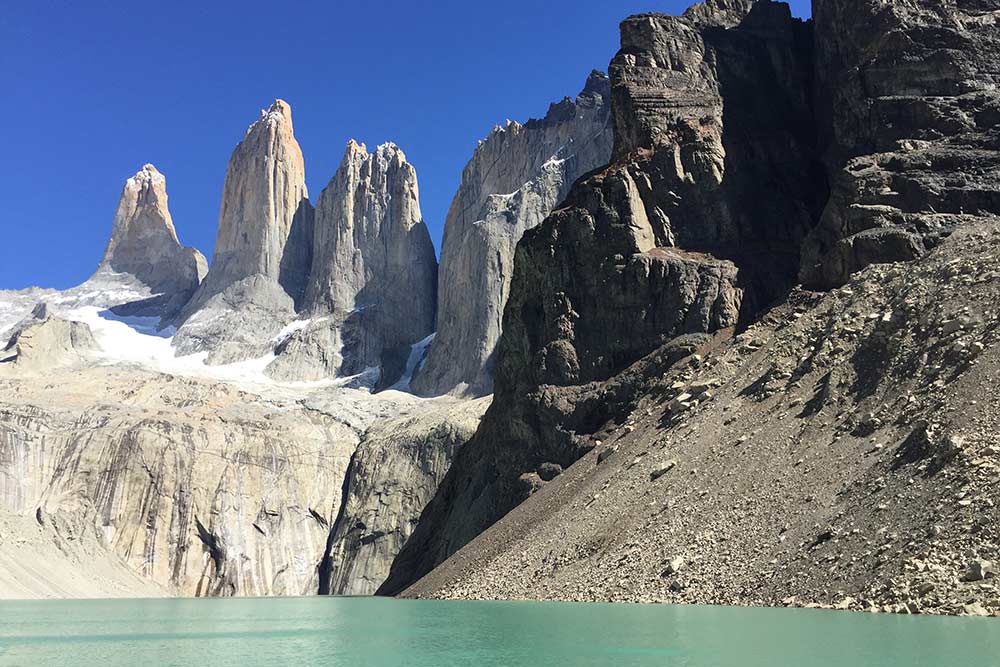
x=670 y=239
x=910 y=111
x=265 y=217
x=372 y=286
x=196 y=486
x=714 y=206
x=515 y=178
x=393 y=474
x=262 y=249
x=209 y=488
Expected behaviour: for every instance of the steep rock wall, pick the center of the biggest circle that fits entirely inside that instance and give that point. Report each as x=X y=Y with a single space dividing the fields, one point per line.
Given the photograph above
x=516 y=176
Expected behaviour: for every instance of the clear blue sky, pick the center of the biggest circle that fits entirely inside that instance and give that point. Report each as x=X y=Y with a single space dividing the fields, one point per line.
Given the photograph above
x=93 y=90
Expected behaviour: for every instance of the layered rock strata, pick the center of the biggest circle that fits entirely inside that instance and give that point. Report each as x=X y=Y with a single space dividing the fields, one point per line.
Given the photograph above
x=516 y=176
x=673 y=238
x=909 y=114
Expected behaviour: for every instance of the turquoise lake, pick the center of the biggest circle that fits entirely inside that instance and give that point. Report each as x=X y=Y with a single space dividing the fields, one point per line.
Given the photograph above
x=376 y=631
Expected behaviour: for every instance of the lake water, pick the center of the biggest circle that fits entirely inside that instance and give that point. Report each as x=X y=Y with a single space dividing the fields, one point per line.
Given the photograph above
x=374 y=631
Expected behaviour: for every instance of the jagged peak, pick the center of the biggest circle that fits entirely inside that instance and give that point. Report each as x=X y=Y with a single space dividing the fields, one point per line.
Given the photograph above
x=145 y=176
x=597 y=82
x=387 y=150
x=722 y=13
x=280 y=111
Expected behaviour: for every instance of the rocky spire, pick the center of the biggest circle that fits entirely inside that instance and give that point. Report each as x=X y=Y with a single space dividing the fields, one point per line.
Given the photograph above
x=143 y=240
x=516 y=176
x=262 y=249
x=373 y=267
x=265 y=215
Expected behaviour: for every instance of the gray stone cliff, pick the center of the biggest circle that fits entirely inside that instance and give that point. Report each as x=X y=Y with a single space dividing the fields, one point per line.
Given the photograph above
x=516 y=176
x=372 y=286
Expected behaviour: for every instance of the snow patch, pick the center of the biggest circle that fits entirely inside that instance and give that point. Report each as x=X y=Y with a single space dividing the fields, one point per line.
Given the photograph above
x=417 y=352
x=136 y=340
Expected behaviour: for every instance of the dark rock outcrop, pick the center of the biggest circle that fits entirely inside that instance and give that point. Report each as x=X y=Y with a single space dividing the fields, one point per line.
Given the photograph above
x=710 y=110
x=516 y=176
x=909 y=114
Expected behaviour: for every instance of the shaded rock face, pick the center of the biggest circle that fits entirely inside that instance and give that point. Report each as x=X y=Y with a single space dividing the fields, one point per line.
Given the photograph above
x=515 y=178
x=374 y=273
x=144 y=242
x=716 y=112
x=822 y=457
x=393 y=474
x=909 y=113
x=263 y=248
x=673 y=238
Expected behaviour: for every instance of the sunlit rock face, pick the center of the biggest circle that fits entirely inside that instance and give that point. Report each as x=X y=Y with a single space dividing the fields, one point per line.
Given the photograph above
x=516 y=176
x=144 y=242
x=263 y=247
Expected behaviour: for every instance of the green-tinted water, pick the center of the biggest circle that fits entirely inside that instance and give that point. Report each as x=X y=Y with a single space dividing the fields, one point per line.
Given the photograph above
x=372 y=631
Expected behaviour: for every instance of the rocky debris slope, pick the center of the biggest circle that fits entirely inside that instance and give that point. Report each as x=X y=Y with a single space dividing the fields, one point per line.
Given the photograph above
x=263 y=248
x=516 y=176
x=672 y=238
x=372 y=286
x=393 y=474
x=843 y=451
x=910 y=113
x=144 y=243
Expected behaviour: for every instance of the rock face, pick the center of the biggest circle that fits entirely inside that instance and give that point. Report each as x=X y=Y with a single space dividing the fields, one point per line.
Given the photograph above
x=372 y=287
x=909 y=114
x=393 y=474
x=515 y=178
x=202 y=488
x=263 y=248
x=195 y=485
x=711 y=110
x=840 y=452
x=43 y=342
x=672 y=238
x=144 y=242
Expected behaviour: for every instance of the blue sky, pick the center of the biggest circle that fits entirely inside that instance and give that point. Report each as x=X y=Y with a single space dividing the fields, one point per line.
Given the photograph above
x=93 y=90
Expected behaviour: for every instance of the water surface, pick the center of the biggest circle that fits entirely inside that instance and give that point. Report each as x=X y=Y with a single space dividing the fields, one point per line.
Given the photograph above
x=376 y=631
